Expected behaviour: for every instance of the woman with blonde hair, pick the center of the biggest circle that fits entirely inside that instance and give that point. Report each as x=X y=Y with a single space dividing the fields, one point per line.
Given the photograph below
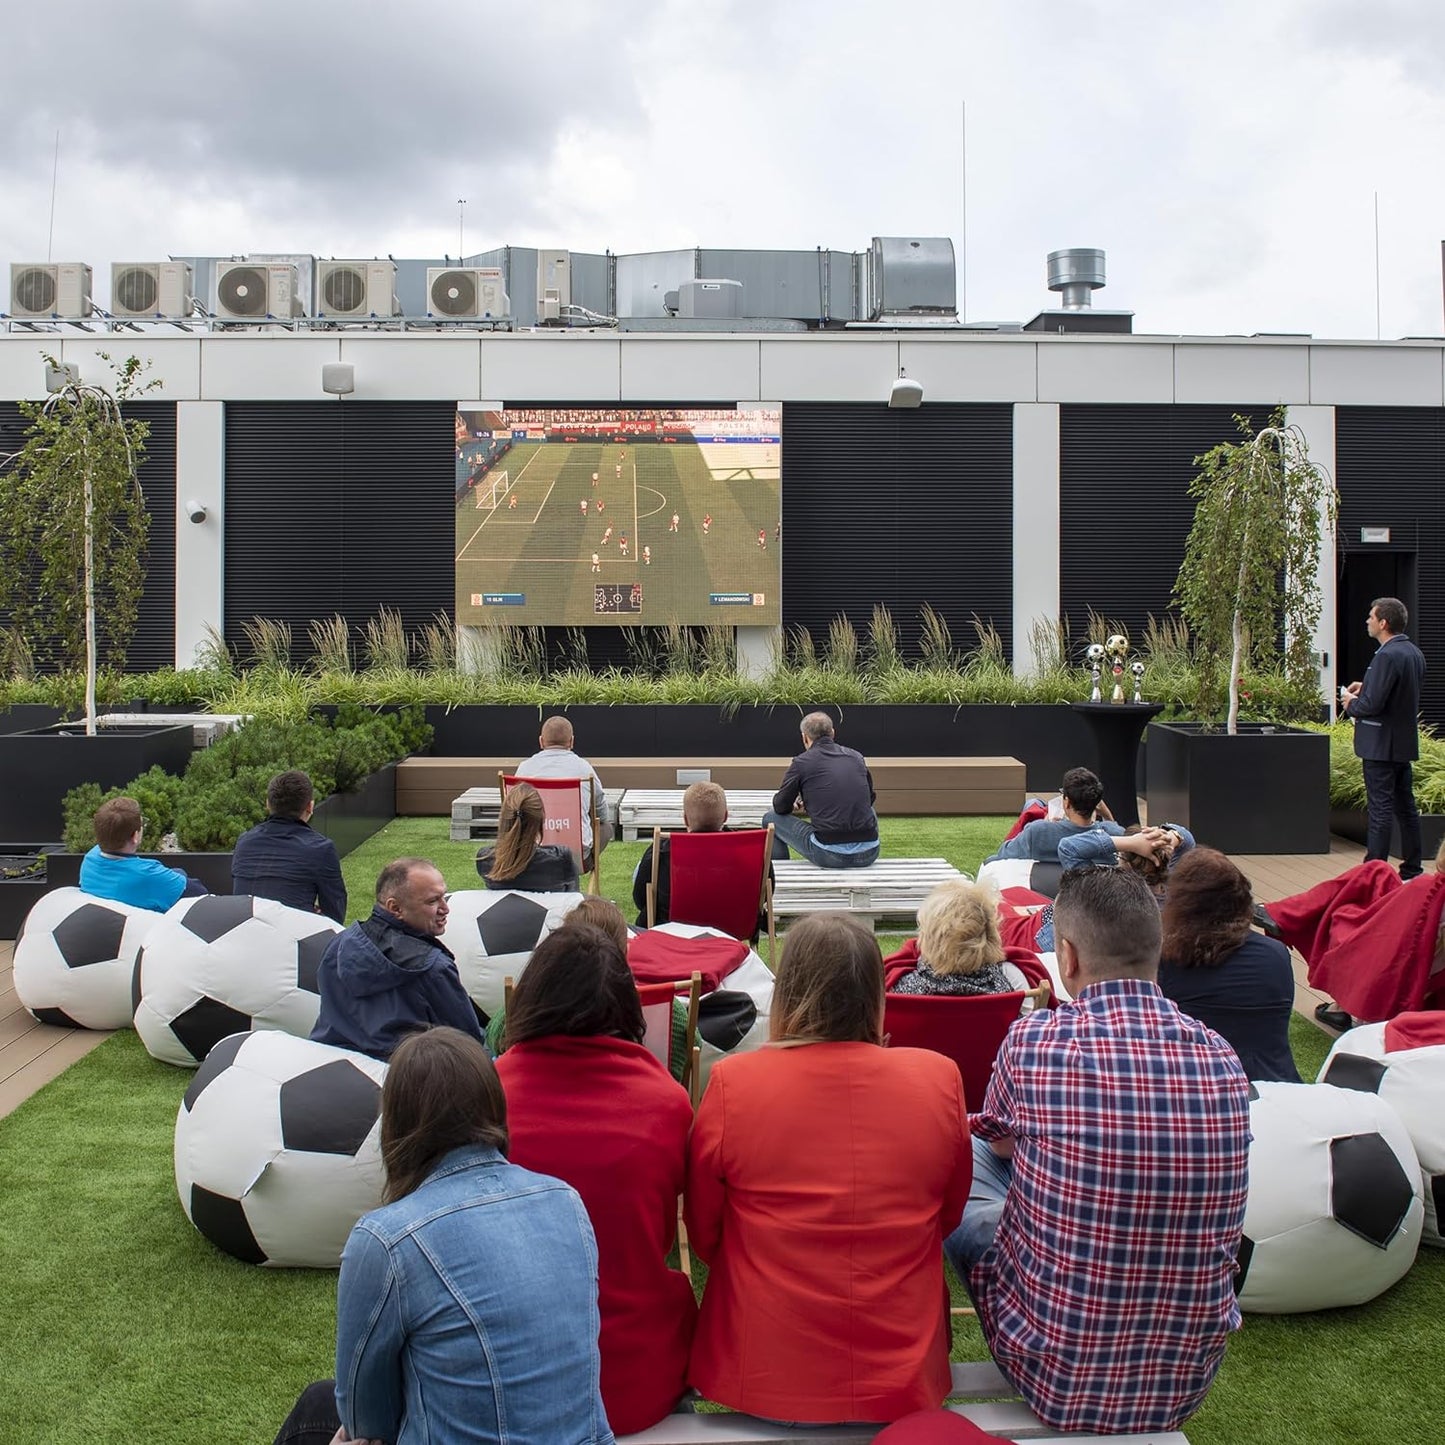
x=823 y=1173
x=958 y=949
x=521 y=859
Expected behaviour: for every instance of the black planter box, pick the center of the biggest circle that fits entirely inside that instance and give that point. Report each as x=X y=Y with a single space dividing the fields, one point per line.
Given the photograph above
x=213 y=869
x=1265 y=790
x=349 y=819
x=1351 y=823
x=27 y=715
x=38 y=768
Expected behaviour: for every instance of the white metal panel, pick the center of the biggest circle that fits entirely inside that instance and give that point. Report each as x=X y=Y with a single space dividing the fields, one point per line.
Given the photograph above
x=22 y=365
x=551 y=366
x=1247 y=372
x=1377 y=375
x=251 y=366
x=1036 y=523
x=200 y=547
x=996 y=368
x=685 y=368
x=413 y=368
x=814 y=368
x=175 y=361
x=1104 y=371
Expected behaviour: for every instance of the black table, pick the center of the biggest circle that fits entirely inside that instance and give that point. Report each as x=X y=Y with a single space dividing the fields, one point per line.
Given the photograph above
x=1117 y=728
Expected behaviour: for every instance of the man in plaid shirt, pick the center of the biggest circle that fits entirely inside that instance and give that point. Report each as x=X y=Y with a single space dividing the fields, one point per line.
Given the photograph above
x=1110 y=1169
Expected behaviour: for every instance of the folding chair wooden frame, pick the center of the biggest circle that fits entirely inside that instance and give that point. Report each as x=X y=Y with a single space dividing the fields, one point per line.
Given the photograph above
x=586 y=804
x=763 y=905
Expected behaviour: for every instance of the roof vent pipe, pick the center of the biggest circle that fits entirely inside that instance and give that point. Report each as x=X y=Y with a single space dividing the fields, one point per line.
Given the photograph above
x=1075 y=273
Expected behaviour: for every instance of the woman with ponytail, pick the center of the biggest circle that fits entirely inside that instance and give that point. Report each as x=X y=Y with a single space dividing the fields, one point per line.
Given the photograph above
x=521 y=859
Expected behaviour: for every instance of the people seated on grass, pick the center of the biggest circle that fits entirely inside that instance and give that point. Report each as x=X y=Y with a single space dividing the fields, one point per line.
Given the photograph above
x=958 y=949
x=588 y=1103
x=390 y=975
x=284 y=858
x=823 y=1172
x=1081 y=807
x=113 y=868
x=1217 y=969
x=520 y=858
x=556 y=759
x=466 y=1308
x=1373 y=943
x=1109 y=1180
x=1026 y=919
x=704 y=810
x=833 y=787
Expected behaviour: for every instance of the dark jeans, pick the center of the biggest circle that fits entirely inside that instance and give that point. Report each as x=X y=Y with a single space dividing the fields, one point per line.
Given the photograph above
x=1390 y=789
x=313 y=1419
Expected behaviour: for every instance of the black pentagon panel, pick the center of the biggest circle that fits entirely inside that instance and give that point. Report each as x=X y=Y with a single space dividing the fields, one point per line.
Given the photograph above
x=90 y=935
x=216 y=914
x=1370 y=1193
x=1437 y=1193
x=135 y=985
x=1355 y=1071
x=724 y=1018
x=221 y=1057
x=308 y=959
x=202 y=1026
x=1253 y=1092
x=1241 y=1262
x=56 y=1016
x=511 y=925
x=224 y=1223
x=329 y=1110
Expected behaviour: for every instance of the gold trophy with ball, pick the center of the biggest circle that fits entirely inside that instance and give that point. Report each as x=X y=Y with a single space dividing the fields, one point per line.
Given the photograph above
x=1117 y=648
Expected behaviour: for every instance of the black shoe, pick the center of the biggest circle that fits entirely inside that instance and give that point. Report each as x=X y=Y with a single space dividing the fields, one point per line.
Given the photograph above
x=1264 y=922
x=1334 y=1018
x=1406 y=877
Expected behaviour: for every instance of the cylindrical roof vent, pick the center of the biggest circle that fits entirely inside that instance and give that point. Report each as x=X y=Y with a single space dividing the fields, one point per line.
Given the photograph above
x=1075 y=273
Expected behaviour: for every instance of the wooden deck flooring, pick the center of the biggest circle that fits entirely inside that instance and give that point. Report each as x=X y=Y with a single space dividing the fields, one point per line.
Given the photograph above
x=31 y=1054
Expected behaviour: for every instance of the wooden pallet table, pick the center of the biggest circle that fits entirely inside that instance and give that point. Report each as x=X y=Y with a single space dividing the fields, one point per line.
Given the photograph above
x=644 y=809
x=889 y=888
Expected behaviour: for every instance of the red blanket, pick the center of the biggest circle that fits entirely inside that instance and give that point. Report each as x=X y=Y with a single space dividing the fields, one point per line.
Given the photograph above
x=1033 y=813
x=657 y=957
x=1415 y=1031
x=1369 y=940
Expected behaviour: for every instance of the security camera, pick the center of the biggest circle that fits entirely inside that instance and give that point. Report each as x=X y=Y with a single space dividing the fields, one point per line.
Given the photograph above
x=196 y=511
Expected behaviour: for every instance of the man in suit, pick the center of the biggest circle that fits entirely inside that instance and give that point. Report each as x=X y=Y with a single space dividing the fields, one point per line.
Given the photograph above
x=1385 y=707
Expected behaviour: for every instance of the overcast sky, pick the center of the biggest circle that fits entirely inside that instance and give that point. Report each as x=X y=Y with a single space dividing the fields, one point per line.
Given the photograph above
x=1225 y=154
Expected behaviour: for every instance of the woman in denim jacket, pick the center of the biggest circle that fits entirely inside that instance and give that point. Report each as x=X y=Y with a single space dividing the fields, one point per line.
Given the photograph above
x=466 y=1310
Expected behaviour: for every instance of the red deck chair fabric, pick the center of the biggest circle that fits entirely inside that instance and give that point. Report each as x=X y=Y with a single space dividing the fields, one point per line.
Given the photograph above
x=562 y=804
x=720 y=880
x=660 y=1038
x=967 y=1029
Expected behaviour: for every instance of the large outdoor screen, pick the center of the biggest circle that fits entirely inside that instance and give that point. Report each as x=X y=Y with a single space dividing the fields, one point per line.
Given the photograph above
x=615 y=516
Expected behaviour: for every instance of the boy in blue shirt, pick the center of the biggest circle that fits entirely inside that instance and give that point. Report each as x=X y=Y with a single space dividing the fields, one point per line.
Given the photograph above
x=113 y=869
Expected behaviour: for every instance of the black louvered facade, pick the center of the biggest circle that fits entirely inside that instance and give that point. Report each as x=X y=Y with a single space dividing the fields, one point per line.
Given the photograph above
x=1390 y=471
x=1124 y=508
x=898 y=508
x=338 y=507
x=154 y=643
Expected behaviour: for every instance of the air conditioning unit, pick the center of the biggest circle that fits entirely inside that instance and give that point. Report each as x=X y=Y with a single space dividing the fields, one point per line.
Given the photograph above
x=56 y=290
x=258 y=291
x=554 y=284
x=466 y=294
x=147 y=290
x=356 y=288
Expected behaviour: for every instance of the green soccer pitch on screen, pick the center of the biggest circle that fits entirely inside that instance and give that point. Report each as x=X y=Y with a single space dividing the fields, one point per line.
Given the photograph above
x=579 y=517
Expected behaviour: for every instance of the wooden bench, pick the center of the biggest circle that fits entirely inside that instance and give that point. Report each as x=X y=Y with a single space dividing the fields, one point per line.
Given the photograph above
x=996 y=1409
x=906 y=787
x=474 y=814
x=889 y=888
x=643 y=809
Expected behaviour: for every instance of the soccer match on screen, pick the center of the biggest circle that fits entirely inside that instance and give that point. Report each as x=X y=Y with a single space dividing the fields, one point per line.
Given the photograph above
x=579 y=517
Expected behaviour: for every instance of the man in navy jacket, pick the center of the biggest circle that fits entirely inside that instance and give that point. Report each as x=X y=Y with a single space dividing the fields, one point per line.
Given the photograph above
x=1385 y=707
x=834 y=786
x=284 y=858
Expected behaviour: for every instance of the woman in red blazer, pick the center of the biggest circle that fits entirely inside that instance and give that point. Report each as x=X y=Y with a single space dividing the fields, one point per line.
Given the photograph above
x=588 y=1104
x=823 y=1173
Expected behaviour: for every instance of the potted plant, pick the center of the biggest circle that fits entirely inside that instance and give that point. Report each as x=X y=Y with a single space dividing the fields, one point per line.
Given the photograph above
x=1248 y=590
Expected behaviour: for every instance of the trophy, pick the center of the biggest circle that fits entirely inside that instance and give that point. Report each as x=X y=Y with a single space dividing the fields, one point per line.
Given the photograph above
x=1095 y=662
x=1137 y=668
x=1117 y=647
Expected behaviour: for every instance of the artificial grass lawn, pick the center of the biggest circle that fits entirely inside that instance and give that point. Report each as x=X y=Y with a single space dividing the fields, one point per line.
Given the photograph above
x=119 y=1322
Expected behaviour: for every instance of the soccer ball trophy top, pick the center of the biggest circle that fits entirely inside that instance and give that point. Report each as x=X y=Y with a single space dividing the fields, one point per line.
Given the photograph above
x=1094 y=660
x=1118 y=649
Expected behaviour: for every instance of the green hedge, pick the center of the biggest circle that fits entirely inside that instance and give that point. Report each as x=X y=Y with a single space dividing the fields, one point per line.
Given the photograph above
x=1347 y=779
x=223 y=791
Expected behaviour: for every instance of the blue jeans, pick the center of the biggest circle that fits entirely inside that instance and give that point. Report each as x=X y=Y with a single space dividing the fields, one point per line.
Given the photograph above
x=992 y=1176
x=798 y=834
x=1390 y=791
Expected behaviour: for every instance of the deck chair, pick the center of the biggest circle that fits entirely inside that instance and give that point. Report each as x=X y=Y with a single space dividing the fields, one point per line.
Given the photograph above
x=660 y=1038
x=718 y=880
x=967 y=1028
x=563 y=802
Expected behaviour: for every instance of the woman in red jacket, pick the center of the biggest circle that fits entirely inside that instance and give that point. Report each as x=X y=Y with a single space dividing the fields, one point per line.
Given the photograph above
x=588 y=1104
x=823 y=1174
